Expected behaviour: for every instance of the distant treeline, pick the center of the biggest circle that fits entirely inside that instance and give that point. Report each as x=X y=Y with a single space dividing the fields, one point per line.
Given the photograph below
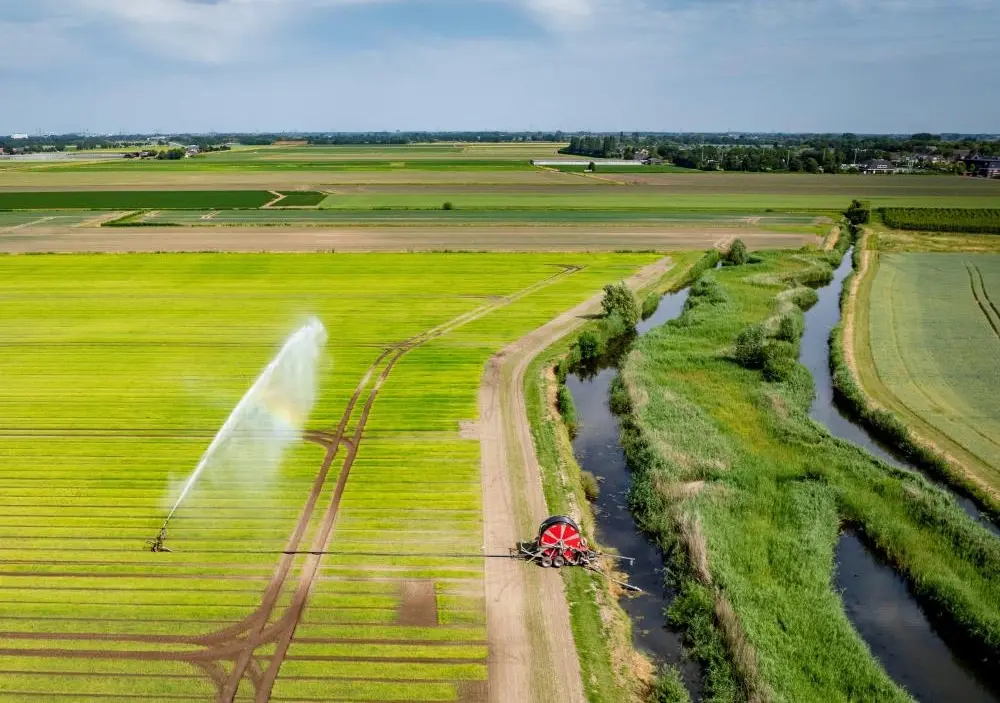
x=812 y=153
x=76 y=141
x=974 y=221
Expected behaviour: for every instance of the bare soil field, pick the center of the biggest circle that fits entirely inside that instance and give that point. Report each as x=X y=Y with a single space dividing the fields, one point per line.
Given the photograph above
x=249 y=239
x=843 y=186
x=15 y=179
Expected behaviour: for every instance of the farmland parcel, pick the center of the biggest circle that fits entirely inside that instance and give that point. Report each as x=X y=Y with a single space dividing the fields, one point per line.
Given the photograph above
x=118 y=370
x=934 y=332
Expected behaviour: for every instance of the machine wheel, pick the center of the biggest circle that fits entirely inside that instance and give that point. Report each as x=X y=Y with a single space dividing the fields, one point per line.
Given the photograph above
x=546 y=562
x=558 y=562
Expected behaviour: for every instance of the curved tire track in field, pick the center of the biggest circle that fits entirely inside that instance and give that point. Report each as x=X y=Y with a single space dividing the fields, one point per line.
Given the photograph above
x=240 y=640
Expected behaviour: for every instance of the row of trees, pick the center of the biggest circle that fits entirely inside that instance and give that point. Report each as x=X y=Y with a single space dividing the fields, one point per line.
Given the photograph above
x=807 y=153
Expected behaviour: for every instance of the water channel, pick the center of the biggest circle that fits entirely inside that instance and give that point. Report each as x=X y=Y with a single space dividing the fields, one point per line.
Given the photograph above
x=598 y=450
x=876 y=598
x=912 y=647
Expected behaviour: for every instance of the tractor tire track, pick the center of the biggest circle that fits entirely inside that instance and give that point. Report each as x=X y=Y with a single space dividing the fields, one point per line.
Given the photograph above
x=979 y=301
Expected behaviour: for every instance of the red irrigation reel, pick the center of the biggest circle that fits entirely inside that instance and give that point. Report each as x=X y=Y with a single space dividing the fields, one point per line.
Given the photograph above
x=559 y=543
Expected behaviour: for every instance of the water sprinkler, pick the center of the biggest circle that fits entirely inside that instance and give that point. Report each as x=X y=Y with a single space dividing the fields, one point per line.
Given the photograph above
x=157 y=544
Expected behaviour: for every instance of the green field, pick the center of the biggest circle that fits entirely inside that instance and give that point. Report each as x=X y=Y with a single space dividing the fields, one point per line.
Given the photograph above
x=133 y=200
x=118 y=370
x=934 y=331
x=973 y=221
x=300 y=199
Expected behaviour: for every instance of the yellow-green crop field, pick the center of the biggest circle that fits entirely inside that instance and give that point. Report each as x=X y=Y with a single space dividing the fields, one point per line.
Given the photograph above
x=117 y=371
x=935 y=340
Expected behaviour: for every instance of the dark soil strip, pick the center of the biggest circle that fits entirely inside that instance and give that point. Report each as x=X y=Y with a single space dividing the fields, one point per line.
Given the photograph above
x=419 y=604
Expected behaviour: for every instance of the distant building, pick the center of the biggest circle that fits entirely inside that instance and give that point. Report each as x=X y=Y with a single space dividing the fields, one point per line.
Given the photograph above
x=985 y=166
x=877 y=166
x=19 y=136
x=191 y=150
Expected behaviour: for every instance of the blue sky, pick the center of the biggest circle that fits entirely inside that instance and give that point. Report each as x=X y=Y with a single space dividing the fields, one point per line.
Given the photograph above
x=353 y=65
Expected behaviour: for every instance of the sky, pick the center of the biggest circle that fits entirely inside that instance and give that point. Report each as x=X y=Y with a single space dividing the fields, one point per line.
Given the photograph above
x=871 y=66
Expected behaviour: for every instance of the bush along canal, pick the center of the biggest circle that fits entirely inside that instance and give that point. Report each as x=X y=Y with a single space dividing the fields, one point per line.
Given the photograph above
x=598 y=450
x=918 y=648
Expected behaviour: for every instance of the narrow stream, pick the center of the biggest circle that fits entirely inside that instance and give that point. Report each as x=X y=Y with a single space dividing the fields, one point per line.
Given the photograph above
x=820 y=321
x=876 y=598
x=598 y=450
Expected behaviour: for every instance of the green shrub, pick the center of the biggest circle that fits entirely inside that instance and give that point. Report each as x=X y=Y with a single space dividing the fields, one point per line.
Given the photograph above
x=448 y=205
x=668 y=687
x=790 y=328
x=804 y=298
x=650 y=304
x=737 y=255
x=708 y=290
x=859 y=212
x=618 y=298
x=750 y=344
x=590 y=346
x=614 y=327
x=779 y=360
x=567 y=408
x=591 y=488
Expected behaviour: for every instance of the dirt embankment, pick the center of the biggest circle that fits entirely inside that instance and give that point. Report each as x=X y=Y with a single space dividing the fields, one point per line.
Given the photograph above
x=533 y=655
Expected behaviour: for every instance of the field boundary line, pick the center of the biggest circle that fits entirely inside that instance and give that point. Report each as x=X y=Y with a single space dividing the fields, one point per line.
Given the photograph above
x=964 y=464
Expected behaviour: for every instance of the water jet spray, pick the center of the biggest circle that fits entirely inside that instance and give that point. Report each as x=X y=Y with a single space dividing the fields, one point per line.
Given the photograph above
x=272 y=413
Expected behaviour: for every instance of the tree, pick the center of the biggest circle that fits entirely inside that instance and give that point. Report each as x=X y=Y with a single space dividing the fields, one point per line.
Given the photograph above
x=737 y=255
x=618 y=299
x=591 y=166
x=859 y=213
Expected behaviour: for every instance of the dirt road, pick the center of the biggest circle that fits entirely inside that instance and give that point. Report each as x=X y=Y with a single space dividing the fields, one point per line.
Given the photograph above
x=532 y=653
x=63 y=239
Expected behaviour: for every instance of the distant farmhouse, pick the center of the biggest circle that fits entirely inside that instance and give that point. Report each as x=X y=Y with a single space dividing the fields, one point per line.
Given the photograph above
x=877 y=166
x=985 y=166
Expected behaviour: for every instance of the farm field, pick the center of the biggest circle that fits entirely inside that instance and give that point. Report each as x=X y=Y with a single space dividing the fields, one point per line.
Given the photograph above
x=972 y=221
x=109 y=200
x=934 y=335
x=320 y=218
x=117 y=372
x=489 y=236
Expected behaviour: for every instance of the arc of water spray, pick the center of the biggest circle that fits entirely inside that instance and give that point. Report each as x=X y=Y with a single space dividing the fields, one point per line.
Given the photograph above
x=280 y=400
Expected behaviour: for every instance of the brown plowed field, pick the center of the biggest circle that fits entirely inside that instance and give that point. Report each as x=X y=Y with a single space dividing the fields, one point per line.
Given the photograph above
x=313 y=239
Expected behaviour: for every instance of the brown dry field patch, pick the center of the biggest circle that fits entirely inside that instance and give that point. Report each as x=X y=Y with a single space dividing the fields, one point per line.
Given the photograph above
x=846 y=186
x=313 y=239
x=11 y=179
